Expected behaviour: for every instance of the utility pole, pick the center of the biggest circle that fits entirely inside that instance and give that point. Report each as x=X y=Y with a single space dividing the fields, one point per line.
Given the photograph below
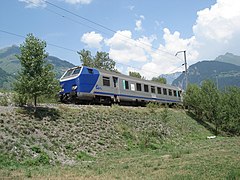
x=185 y=63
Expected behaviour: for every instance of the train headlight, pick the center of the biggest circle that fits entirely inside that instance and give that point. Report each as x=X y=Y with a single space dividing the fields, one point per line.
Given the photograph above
x=74 y=88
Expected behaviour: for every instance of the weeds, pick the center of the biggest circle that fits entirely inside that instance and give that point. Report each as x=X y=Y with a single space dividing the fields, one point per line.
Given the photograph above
x=83 y=156
x=119 y=141
x=3 y=100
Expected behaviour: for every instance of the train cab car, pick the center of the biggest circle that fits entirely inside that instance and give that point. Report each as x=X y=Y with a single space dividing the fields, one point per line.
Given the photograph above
x=77 y=83
x=85 y=84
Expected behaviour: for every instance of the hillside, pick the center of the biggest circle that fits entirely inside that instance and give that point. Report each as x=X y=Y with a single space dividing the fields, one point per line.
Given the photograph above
x=171 y=77
x=11 y=65
x=5 y=79
x=225 y=74
x=229 y=58
x=97 y=142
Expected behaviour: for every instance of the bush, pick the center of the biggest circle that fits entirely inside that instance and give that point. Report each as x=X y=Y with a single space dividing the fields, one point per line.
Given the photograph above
x=41 y=159
x=3 y=100
x=20 y=99
x=84 y=156
x=220 y=108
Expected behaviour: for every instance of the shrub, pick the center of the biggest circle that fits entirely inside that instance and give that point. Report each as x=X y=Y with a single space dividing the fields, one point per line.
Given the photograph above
x=4 y=100
x=20 y=99
x=220 y=108
x=84 y=156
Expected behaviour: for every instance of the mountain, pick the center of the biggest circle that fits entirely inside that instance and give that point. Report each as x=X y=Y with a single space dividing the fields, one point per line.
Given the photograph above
x=229 y=58
x=171 y=77
x=11 y=65
x=223 y=74
x=5 y=79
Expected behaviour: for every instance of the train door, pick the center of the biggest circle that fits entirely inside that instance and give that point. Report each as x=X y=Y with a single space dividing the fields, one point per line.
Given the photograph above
x=116 y=88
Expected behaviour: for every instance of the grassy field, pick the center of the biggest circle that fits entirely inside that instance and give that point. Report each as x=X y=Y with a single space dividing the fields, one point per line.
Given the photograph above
x=95 y=142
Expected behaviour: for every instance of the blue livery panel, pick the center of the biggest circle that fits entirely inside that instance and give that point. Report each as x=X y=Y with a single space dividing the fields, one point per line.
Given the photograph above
x=84 y=82
x=87 y=79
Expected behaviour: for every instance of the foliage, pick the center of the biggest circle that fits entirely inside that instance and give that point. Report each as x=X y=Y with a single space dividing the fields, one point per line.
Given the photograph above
x=83 y=156
x=135 y=74
x=20 y=99
x=230 y=110
x=36 y=77
x=159 y=79
x=101 y=60
x=211 y=105
x=3 y=100
x=42 y=158
x=137 y=145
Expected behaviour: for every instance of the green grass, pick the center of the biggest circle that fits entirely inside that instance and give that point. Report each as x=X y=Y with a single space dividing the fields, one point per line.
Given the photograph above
x=95 y=142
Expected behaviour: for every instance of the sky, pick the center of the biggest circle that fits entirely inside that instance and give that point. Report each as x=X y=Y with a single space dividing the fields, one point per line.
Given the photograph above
x=140 y=35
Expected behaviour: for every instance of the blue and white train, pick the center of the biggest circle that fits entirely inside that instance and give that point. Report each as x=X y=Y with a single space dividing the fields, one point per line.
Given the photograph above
x=90 y=85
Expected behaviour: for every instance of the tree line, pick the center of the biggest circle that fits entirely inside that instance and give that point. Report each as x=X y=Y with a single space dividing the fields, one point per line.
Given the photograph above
x=222 y=108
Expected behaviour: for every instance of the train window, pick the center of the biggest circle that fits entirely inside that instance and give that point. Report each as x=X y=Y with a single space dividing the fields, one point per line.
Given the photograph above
x=164 y=91
x=179 y=93
x=69 y=73
x=170 y=92
x=76 y=71
x=139 y=87
x=145 y=88
x=72 y=72
x=115 y=81
x=159 y=90
x=174 y=92
x=153 y=89
x=106 y=81
x=125 y=84
x=90 y=71
x=133 y=87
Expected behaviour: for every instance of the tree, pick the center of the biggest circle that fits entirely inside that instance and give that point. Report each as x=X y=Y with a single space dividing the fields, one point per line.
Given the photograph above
x=230 y=110
x=101 y=60
x=135 y=74
x=159 y=79
x=86 y=58
x=211 y=103
x=36 y=77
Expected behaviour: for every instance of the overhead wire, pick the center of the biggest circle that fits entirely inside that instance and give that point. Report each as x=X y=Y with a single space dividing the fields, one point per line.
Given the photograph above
x=102 y=26
x=106 y=28
x=129 y=40
x=50 y=44
x=75 y=51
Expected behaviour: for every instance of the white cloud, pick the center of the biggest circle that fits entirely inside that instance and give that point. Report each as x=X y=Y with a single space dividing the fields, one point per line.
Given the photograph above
x=218 y=27
x=162 y=59
x=139 y=23
x=216 y=31
x=142 y=17
x=42 y=3
x=34 y=3
x=78 y=1
x=123 y=48
x=92 y=39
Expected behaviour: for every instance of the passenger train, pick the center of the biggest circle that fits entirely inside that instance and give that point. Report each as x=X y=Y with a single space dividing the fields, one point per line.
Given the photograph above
x=90 y=85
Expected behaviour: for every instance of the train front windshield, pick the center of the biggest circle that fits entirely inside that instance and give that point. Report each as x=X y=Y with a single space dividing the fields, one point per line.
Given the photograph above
x=71 y=73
